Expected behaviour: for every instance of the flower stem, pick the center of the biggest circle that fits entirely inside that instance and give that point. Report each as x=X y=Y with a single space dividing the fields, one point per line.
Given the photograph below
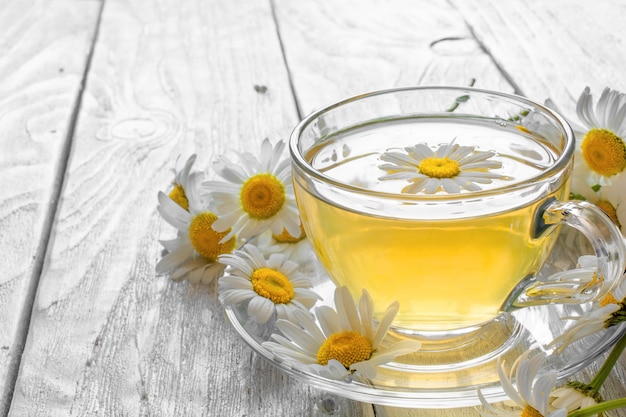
x=608 y=364
x=599 y=408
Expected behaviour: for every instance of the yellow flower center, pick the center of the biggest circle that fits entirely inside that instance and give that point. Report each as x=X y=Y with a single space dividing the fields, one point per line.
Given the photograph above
x=206 y=240
x=347 y=347
x=604 y=152
x=608 y=299
x=262 y=196
x=609 y=210
x=439 y=167
x=179 y=196
x=285 y=236
x=273 y=285
x=529 y=411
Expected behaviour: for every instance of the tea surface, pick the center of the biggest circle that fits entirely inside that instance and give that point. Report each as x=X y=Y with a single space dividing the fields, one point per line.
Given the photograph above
x=354 y=158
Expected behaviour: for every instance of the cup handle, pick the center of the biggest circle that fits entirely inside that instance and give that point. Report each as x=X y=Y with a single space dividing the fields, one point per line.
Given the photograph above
x=577 y=286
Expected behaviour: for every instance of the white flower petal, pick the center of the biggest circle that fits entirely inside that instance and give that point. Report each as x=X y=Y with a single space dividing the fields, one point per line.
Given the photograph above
x=328 y=319
x=385 y=323
x=541 y=392
x=229 y=171
x=431 y=185
x=333 y=370
x=409 y=175
x=450 y=186
x=288 y=350
x=206 y=274
x=420 y=151
x=406 y=166
x=173 y=260
x=346 y=310
x=260 y=309
x=365 y=368
x=366 y=311
x=173 y=213
x=300 y=337
x=220 y=189
x=236 y=296
x=403 y=347
x=224 y=222
x=507 y=384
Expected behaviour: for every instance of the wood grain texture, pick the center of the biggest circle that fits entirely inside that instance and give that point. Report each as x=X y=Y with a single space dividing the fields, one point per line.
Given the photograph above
x=44 y=46
x=335 y=52
x=553 y=49
x=108 y=337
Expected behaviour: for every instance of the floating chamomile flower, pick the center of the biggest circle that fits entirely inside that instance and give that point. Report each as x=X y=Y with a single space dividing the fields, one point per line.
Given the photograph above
x=270 y=285
x=193 y=253
x=257 y=195
x=533 y=389
x=182 y=182
x=451 y=167
x=347 y=339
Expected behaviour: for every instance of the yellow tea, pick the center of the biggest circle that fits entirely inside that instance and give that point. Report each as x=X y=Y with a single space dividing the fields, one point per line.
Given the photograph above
x=450 y=263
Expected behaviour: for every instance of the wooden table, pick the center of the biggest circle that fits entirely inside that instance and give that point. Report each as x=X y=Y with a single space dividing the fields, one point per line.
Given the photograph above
x=97 y=99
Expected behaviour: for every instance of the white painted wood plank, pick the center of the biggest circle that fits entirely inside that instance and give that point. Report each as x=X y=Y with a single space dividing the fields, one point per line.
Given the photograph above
x=108 y=337
x=44 y=46
x=556 y=48
x=338 y=49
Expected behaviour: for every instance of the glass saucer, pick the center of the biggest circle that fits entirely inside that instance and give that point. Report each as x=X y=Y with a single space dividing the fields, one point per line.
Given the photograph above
x=448 y=373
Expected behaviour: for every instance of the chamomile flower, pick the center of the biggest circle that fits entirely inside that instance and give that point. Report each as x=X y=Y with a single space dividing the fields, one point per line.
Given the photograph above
x=257 y=195
x=346 y=340
x=533 y=122
x=182 y=182
x=600 y=159
x=451 y=167
x=268 y=285
x=297 y=249
x=193 y=253
x=574 y=396
x=600 y=134
x=587 y=324
x=612 y=200
x=533 y=389
x=611 y=311
x=603 y=147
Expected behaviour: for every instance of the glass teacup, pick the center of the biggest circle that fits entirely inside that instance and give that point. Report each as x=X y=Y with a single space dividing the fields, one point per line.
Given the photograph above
x=447 y=200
